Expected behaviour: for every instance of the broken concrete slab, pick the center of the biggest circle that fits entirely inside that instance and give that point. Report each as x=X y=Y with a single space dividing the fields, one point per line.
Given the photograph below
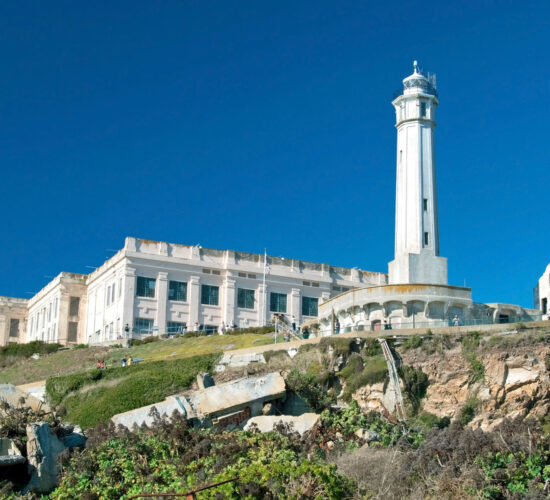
x=232 y=396
x=9 y=453
x=225 y=404
x=17 y=397
x=229 y=360
x=267 y=423
x=43 y=449
x=144 y=415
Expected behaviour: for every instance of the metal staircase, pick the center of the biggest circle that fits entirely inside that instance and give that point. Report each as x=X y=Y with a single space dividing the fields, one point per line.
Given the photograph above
x=394 y=379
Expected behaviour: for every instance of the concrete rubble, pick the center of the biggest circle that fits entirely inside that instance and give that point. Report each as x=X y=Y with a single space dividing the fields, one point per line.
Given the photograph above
x=15 y=396
x=9 y=453
x=227 y=404
x=239 y=360
x=43 y=448
x=267 y=423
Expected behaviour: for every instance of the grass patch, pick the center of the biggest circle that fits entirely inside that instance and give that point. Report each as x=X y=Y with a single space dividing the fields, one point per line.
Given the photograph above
x=415 y=384
x=470 y=343
x=139 y=385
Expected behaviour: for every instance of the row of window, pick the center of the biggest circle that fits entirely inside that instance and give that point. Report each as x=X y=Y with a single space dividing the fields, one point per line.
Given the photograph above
x=210 y=296
x=43 y=316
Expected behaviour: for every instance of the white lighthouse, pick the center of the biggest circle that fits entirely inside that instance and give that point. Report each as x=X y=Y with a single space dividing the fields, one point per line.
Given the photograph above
x=417 y=257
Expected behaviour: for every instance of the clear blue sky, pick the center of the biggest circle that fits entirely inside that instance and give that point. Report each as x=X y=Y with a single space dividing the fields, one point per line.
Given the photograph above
x=252 y=125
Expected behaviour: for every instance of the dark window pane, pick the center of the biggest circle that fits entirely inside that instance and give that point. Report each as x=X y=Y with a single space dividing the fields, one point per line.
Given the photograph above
x=277 y=302
x=71 y=330
x=245 y=298
x=175 y=327
x=177 y=290
x=309 y=306
x=74 y=303
x=209 y=295
x=143 y=325
x=14 y=328
x=145 y=287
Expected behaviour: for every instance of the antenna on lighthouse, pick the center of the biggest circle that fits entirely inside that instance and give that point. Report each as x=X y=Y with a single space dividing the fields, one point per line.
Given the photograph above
x=415 y=64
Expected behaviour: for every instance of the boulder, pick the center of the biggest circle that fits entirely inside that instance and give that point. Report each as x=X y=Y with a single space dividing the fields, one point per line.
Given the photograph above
x=300 y=424
x=43 y=448
x=367 y=435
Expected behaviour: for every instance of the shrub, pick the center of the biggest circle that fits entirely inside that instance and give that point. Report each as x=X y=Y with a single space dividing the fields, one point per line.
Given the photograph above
x=257 y=330
x=415 y=383
x=372 y=347
x=28 y=349
x=146 y=340
x=172 y=457
x=341 y=346
x=468 y=411
x=81 y=346
x=428 y=421
x=307 y=386
x=375 y=370
x=412 y=342
x=353 y=367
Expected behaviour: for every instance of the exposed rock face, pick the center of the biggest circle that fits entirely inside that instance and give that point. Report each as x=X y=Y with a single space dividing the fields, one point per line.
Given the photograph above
x=43 y=448
x=300 y=424
x=516 y=383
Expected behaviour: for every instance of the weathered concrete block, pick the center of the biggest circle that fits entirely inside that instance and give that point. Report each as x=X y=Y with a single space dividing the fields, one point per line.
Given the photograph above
x=267 y=423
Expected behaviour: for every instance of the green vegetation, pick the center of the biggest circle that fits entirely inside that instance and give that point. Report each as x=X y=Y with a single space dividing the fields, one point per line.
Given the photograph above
x=415 y=383
x=174 y=458
x=27 y=350
x=375 y=370
x=307 y=386
x=412 y=342
x=428 y=421
x=21 y=370
x=96 y=395
x=340 y=345
x=469 y=345
x=468 y=411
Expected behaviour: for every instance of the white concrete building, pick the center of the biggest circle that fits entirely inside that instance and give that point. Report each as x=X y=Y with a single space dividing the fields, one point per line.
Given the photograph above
x=158 y=287
x=542 y=293
x=56 y=313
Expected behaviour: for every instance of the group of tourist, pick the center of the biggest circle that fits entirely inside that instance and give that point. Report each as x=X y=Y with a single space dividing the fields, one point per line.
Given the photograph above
x=126 y=361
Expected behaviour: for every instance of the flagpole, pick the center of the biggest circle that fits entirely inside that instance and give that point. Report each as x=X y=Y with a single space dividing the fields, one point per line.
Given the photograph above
x=263 y=289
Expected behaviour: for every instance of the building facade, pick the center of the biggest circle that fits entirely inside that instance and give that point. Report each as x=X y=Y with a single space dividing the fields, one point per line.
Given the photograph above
x=158 y=287
x=56 y=313
x=13 y=320
x=154 y=287
x=542 y=293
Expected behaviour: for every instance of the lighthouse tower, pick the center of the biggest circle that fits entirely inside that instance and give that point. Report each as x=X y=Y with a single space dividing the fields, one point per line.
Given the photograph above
x=417 y=257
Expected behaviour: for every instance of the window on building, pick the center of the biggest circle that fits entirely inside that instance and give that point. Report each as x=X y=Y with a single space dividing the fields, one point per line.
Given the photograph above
x=43 y=317
x=245 y=298
x=209 y=329
x=108 y=295
x=206 y=271
x=173 y=327
x=422 y=109
x=210 y=295
x=277 y=302
x=31 y=324
x=49 y=312
x=72 y=329
x=145 y=287
x=113 y=294
x=74 y=304
x=177 y=290
x=252 y=276
x=56 y=308
x=309 y=306
x=544 y=305
x=425 y=204
x=242 y=275
x=215 y=271
x=143 y=325
x=426 y=239
x=14 y=328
